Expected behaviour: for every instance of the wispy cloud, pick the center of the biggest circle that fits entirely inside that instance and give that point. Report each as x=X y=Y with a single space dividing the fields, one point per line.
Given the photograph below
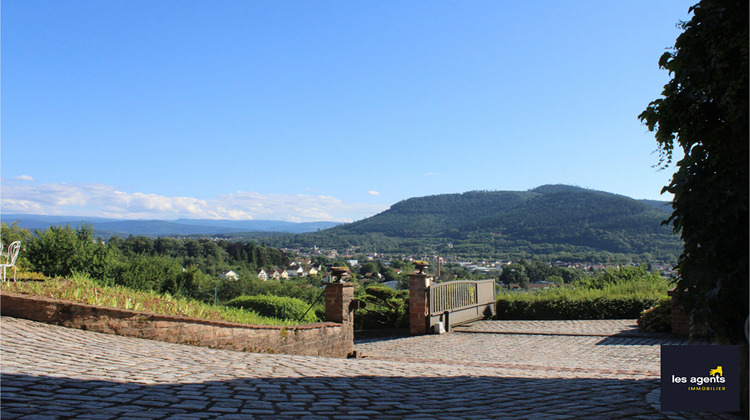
x=108 y=201
x=373 y=193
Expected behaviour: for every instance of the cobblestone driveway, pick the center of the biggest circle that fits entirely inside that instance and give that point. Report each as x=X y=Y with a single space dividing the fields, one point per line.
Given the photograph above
x=584 y=349
x=54 y=372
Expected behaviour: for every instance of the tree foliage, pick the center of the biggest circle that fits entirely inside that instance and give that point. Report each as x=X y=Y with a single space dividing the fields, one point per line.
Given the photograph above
x=525 y=272
x=10 y=233
x=704 y=111
x=384 y=308
x=635 y=279
x=62 y=250
x=184 y=267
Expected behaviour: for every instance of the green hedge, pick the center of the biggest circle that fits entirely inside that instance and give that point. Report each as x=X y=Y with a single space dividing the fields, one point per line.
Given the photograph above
x=596 y=308
x=281 y=307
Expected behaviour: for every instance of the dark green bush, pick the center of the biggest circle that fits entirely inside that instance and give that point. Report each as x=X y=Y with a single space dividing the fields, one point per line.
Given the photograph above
x=384 y=308
x=281 y=307
x=657 y=318
x=161 y=274
x=60 y=251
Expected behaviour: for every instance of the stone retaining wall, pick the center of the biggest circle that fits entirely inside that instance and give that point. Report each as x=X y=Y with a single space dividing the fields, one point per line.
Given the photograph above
x=327 y=339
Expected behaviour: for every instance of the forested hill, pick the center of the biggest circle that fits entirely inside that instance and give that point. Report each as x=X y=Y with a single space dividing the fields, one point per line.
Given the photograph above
x=437 y=214
x=552 y=220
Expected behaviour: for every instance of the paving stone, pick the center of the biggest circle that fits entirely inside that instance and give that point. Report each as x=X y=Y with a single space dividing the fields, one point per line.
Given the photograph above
x=224 y=409
x=141 y=415
x=150 y=404
x=547 y=369
x=257 y=411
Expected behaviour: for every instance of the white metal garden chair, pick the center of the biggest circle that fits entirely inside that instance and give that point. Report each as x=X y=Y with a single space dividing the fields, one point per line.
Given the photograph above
x=10 y=260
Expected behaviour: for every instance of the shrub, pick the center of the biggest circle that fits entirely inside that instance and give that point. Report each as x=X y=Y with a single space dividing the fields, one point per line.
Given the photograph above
x=657 y=318
x=83 y=289
x=140 y=272
x=614 y=294
x=61 y=251
x=281 y=307
x=625 y=279
x=597 y=308
x=384 y=308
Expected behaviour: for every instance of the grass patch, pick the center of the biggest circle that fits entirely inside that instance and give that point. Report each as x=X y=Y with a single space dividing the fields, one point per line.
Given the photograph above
x=80 y=288
x=283 y=307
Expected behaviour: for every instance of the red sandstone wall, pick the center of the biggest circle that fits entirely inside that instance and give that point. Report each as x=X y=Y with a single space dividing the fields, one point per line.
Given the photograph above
x=326 y=339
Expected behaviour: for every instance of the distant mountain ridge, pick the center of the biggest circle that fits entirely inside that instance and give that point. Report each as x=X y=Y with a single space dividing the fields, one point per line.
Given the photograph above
x=107 y=227
x=550 y=220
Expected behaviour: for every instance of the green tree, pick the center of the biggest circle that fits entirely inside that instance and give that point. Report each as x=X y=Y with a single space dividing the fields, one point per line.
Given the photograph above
x=369 y=267
x=558 y=280
x=537 y=271
x=11 y=233
x=146 y=272
x=141 y=245
x=169 y=247
x=60 y=251
x=515 y=273
x=704 y=111
x=389 y=274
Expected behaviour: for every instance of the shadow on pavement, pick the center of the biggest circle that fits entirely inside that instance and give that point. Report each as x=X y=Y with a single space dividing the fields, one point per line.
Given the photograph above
x=628 y=338
x=329 y=397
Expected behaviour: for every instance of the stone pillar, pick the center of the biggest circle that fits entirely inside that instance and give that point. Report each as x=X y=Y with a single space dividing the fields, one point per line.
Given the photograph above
x=339 y=309
x=419 y=305
x=339 y=298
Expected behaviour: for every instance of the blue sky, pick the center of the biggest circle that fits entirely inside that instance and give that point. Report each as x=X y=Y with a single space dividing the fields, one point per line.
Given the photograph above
x=322 y=110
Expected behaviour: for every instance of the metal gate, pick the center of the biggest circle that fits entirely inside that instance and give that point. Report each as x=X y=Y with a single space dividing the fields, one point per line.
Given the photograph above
x=461 y=301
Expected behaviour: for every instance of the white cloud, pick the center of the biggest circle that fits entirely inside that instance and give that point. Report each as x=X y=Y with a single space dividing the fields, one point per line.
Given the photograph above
x=24 y=178
x=373 y=193
x=10 y=205
x=107 y=201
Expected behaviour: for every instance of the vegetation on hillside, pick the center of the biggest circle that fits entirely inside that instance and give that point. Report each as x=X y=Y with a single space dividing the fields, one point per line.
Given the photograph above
x=81 y=288
x=180 y=268
x=555 y=222
x=525 y=272
x=131 y=272
x=281 y=307
x=614 y=293
x=384 y=308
